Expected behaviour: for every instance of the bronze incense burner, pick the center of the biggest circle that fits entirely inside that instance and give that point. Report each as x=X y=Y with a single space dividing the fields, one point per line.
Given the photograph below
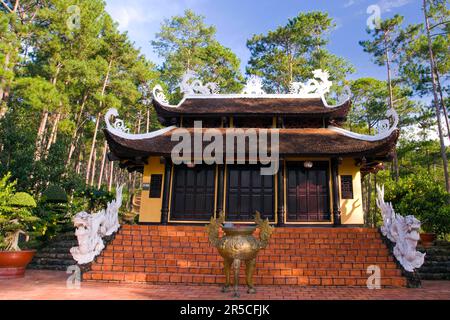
x=238 y=244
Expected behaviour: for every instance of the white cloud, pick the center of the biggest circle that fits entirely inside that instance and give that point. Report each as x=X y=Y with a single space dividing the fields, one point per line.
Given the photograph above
x=388 y=5
x=142 y=18
x=349 y=3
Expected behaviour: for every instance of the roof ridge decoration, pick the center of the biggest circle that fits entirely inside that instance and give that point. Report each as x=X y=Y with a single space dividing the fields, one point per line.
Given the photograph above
x=313 y=88
x=384 y=128
x=193 y=88
x=189 y=85
x=254 y=86
x=119 y=129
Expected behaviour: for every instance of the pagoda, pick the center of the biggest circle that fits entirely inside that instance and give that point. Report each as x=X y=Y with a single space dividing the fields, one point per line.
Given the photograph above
x=317 y=163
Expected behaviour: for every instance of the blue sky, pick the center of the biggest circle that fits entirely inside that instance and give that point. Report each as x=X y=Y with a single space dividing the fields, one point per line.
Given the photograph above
x=236 y=21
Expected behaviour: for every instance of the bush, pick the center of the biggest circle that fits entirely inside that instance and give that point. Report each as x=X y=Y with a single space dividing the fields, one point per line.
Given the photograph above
x=419 y=195
x=15 y=214
x=22 y=199
x=97 y=199
x=53 y=211
x=54 y=194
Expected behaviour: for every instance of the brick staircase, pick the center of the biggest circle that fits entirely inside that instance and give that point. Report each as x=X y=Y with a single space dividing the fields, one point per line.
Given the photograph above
x=295 y=256
x=437 y=262
x=56 y=254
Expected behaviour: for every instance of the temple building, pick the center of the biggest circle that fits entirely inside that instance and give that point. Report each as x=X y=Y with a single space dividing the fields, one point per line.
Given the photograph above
x=286 y=156
x=318 y=164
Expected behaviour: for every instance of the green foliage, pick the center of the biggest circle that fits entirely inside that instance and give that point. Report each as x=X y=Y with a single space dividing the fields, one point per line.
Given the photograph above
x=422 y=197
x=384 y=39
x=96 y=199
x=22 y=200
x=186 y=42
x=291 y=52
x=369 y=105
x=55 y=194
x=15 y=211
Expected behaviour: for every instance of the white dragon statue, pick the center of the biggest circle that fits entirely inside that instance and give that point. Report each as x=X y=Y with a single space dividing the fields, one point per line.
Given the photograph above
x=403 y=231
x=253 y=86
x=91 y=228
x=313 y=88
x=190 y=85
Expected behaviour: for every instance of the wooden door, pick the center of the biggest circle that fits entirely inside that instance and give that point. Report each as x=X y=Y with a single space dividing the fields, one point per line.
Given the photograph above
x=248 y=191
x=307 y=192
x=193 y=193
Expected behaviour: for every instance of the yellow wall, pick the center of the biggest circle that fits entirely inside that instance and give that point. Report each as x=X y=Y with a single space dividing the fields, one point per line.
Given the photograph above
x=150 y=210
x=351 y=209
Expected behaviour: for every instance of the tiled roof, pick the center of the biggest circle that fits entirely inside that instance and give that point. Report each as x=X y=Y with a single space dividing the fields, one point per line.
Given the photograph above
x=253 y=107
x=292 y=142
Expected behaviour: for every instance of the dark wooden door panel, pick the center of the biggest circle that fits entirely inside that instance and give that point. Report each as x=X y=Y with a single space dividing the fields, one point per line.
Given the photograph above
x=193 y=193
x=248 y=191
x=307 y=192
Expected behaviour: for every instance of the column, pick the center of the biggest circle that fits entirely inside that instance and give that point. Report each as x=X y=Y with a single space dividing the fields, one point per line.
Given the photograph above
x=280 y=193
x=166 y=191
x=335 y=192
x=220 y=188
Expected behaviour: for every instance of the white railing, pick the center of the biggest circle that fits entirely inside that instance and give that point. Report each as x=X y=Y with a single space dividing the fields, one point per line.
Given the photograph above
x=403 y=231
x=91 y=228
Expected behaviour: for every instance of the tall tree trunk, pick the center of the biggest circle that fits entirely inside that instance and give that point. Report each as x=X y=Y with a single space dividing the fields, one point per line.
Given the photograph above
x=43 y=125
x=92 y=152
x=79 y=163
x=444 y=107
x=111 y=175
x=94 y=139
x=40 y=135
x=3 y=90
x=94 y=160
x=391 y=101
x=102 y=167
x=52 y=138
x=74 y=139
x=436 y=99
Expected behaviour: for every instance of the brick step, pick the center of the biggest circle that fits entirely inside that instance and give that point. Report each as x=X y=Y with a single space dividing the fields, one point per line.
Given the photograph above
x=172 y=260
x=53 y=255
x=202 y=235
x=216 y=260
x=164 y=278
x=158 y=252
x=193 y=231
x=53 y=262
x=354 y=272
x=262 y=266
x=434 y=276
x=148 y=240
x=201 y=226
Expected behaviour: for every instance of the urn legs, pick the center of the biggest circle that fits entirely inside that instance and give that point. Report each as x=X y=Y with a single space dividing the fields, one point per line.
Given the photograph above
x=236 y=264
x=249 y=270
x=227 y=269
x=236 y=267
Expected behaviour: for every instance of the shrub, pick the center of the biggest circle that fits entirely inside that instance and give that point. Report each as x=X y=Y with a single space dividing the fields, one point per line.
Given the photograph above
x=22 y=199
x=15 y=214
x=97 y=199
x=418 y=195
x=53 y=211
x=54 y=194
